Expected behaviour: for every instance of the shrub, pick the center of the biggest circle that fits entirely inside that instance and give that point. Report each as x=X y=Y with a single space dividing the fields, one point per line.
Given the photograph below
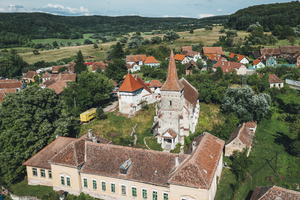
x=100 y=114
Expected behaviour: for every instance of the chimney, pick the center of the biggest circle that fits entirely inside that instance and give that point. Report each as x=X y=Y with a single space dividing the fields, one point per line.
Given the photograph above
x=181 y=149
x=90 y=133
x=57 y=136
x=176 y=161
x=94 y=139
x=194 y=146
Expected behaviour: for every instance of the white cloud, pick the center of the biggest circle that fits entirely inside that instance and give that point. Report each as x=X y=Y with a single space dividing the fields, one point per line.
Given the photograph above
x=219 y=10
x=184 y=16
x=205 y=15
x=59 y=9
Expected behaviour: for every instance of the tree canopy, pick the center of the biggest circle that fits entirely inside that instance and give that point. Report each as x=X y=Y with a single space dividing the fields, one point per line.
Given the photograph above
x=11 y=65
x=29 y=120
x=116 y=70
x=80 y=66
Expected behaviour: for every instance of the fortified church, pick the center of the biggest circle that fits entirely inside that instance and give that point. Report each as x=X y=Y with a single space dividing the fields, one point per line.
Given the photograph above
x=179 y=109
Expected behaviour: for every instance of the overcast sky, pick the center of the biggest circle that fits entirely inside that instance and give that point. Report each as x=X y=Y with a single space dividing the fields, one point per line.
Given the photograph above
x=148 y=8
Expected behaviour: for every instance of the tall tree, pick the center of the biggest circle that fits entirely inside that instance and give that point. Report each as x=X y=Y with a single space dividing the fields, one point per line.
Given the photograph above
x=29 y=120
x=116 y=70
x=117 y=52
x=80 y=66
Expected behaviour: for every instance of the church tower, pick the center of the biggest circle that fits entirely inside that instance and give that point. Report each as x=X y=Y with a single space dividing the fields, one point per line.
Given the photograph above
x=170 y=115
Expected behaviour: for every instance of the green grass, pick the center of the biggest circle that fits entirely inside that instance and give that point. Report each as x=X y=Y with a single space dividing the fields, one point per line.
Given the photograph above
x=64 y=41
x=152 y=144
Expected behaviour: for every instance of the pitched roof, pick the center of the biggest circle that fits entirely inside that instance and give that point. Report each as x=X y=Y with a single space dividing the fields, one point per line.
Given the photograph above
x=213 y=50
x=289 y=49
x=73 y=154
x=256 y=61
x=191 y=63
x=69 y=66
x=130 y=66
x=136 y=58
x=130 y=84
x=41 y=158
x=147 y=166
x=199 y=169
x=30 y=74
x=272 y=51
x=150 y=59
x=244 y=133
x=186 y=48
x=98 y=64
x=172 y=83
x=8 y=90
x=227 y=66
x=58 y=86
x=46 y=75
x=274 y=79
x=170 y=134
x=11 y=83
x=155 y=83
x=190 y=53
x=141 y=82
x=274 y=192
x=48 y=82
x=190 y=92
x=216 y=58
x=114 y=82
x=179 y=57
x=240 y=57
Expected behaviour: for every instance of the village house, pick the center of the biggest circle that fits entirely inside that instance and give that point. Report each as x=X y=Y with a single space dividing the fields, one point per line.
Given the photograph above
x=271 y=51
x=274 y=192
x=257 y=64
x=275 y=81
x=186 y=48
x=183 y=59
x=70 y=67
x=89 y=63
x=282 y=51
x=241 y=138
x=268 y=60
x=100 y=65
x=9 y=86
x=94 y=166
x=137 y=59
x=179 y=110
x=192 y=55
x=190 y=67
x=228 y=67
x=58 y=81
x=155 y=86
x=214 y=59
x=240 y=58
x=151 y=61
x=29 y=76
x=46 y=76
x=217 y=51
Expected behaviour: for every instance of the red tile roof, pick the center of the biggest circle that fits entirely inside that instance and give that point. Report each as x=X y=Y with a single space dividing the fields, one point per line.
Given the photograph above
x=172 y=83
x=274 y=79
x=190 y=53
x=11 y=83
x=98 y=64
x=289 y=49
x=171 y=132
x=199 y=169
x=227 y=66
x=244 y=133
x=190 y=92
x=141 y=81
x=216 y=58
x=274 y=193
x=58 y=86
x=46 y=75
x=8 y=90
x=256 y=61
x=179 y=57
x=186 y=48
x=191 y=63
x=130 y=84
x=30 y=74
x=240 y=57
x=89 y=63
x=272 y=51
x=150 y=60
x=155 y=83
x=136 y=58
x=70 y=67
x=213 y=50
x=41 y=158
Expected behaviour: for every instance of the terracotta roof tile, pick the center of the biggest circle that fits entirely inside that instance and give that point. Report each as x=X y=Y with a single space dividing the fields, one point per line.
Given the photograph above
x=141 y=82
x=135 y=58
x=213 y=50
x=191 y=63
x=10 y=83
x=186 y=48
x=172 y=83
x=130 y=84
x=240 y=57
x=150 y=59
x=48 y=82
x=190 y=92
x=274 y=79
x=155 y=83
x=98 y=64
x=272 y=51
x=227 y=66
x=69 y=66
x=190 y=53
x=274 y=193
x=41 y=158
x=244 y=133
x=216 y=58
x=30 y=74
x=46 y=75
x=58 y=86
x=256 y=61
x=8 y=90
x=179 y=57
x=289 y=49
x=171 y=132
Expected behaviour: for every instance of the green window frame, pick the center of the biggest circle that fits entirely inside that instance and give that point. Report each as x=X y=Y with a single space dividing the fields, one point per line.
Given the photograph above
x=34 y=172
x=166 y=196
x=154 y=195
x=124 y=190
x=68 y=181
x=85 y=183
x=62 y=180
x=113 y=188
x=103 y=185
x=134 y=191
x=43 y=174
x=50 y=174
x=144 y=191
x=94 y=184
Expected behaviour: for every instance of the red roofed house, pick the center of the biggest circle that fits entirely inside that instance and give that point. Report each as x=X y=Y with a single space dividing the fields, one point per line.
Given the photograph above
x=275 y=81
x=215 y=59
x=240 y=58
x=94 y=166
x=133 y=93
x=241 y=138
x=274 y=192
x=137 y=59
x=213 y=51
x=192 y=55
x=151 y=61
x=155 y=86
x=29 y=76
x=257 y=64
x=182 y=58
x=179 y=110
x=227 y=66
x=58 y=81
x=100 y=65
x=69 y=66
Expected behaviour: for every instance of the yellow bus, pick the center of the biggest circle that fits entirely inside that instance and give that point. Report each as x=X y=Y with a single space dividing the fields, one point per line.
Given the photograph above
x=88 y=115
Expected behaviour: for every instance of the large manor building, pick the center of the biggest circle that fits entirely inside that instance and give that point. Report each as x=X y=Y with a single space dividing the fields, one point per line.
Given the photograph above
x=179 y=109
x=94 y=166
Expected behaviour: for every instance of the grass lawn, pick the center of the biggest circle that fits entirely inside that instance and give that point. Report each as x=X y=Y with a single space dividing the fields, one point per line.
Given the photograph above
x=271 y=136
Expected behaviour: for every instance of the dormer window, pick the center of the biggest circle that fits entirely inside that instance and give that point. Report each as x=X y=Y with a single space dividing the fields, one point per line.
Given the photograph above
x=125 y=167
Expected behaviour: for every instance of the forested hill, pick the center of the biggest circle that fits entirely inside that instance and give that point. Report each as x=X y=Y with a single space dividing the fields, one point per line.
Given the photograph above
x=42 y=25
x=268 y=15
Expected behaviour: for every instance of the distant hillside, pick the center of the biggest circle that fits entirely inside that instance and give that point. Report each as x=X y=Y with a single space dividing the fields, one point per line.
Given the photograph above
x=42 y=25
x=267 y=15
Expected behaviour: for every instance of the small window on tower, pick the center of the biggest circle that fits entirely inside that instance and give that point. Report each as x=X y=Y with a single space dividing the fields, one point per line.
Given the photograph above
x=170 y=103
